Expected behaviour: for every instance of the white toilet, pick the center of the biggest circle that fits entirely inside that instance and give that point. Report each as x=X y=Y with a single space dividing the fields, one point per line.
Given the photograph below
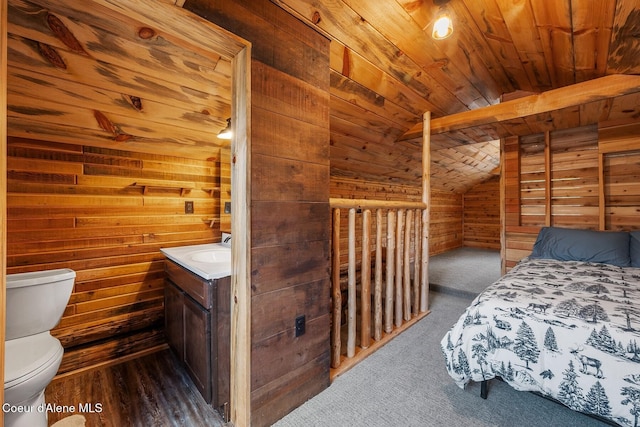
x=35 y=303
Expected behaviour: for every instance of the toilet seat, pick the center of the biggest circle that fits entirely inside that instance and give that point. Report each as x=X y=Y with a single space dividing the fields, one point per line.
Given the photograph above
x=27 y=357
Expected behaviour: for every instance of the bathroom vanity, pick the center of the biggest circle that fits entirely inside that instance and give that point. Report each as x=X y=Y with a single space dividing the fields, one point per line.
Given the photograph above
x=197 y=319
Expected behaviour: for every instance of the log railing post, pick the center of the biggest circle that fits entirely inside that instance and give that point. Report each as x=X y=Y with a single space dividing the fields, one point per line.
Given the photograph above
x=397 y=290
x=406 y=292
x=426 y=199
x=377 y=292
x=351 y=289
x=417 y=262
x=336 y=292
x=391 y=242
x=399 y=259
x=365 y=286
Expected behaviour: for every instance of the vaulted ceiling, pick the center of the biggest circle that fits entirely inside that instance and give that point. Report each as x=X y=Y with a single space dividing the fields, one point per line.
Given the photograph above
x=387 y=70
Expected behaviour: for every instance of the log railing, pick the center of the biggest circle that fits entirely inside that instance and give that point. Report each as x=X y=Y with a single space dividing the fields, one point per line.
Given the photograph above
x=397 y=296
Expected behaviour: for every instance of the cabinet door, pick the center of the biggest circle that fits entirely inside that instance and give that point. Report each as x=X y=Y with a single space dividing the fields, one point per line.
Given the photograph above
x=173 y=318
x=197 y=345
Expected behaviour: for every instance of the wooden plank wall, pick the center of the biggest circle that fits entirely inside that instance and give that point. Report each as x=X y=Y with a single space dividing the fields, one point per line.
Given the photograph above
x=569 y=179
x=225 y=187
x=445 y=225
x=620 y=148
x=79 y=207
x=622 y=191
x=482 y=215
x=290 y=213
x=445 y=231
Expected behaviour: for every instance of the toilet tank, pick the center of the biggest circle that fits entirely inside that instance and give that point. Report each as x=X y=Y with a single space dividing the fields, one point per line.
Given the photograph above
x=36 y=301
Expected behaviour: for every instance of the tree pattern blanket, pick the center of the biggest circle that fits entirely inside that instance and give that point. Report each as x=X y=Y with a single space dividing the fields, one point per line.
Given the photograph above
x=567 y=329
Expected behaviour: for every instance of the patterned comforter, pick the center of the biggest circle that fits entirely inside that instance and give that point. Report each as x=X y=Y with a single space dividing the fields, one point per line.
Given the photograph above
x=567 y=329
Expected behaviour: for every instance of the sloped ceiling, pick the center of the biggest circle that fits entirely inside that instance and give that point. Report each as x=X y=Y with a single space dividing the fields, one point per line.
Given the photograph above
x=386 y=71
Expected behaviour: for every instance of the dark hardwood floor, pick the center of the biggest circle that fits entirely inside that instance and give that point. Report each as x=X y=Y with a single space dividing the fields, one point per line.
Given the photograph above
x=153 y=390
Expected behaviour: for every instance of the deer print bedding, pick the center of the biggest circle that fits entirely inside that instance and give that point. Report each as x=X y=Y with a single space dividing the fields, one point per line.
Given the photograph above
x=567 y=329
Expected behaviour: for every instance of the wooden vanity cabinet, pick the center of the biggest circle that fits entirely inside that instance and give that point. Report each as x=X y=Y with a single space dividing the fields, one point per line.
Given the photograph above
x=197 y=322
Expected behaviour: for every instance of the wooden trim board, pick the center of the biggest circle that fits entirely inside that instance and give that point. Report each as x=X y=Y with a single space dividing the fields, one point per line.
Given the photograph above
x=3 y=187
x=556 y=99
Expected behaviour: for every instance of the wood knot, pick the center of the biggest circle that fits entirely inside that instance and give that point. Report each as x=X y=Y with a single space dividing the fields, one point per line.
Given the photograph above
x=136 y=102
x=51 y=55
x=64 y=34
x=122 y=137
x=104 y=122
x=316 y=18
x=108 y=126
x=146 y=33
x=346 y=63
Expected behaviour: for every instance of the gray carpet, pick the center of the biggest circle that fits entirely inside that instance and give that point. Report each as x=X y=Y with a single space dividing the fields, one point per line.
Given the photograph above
x=405 y=384
x=464 y=271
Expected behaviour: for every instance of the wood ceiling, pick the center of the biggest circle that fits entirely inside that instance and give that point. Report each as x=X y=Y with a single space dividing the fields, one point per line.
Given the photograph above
x=83 y=72
x=386 y=71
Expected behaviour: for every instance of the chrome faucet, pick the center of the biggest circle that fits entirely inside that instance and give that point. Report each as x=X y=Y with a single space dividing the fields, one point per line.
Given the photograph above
x=226 y=239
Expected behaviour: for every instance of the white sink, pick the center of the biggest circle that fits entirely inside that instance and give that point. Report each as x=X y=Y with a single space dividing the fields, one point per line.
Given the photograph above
x=212 y=256
x=209 y=261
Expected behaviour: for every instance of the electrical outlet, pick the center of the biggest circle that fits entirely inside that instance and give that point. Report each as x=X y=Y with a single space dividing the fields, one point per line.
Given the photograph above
x=188 y=207
x=300 y=325
x=227 y=207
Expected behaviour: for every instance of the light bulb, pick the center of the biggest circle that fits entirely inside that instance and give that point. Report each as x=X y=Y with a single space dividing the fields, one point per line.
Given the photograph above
x=442 y=28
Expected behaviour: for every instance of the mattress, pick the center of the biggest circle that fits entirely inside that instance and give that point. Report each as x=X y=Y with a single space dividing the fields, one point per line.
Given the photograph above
x=569 y=330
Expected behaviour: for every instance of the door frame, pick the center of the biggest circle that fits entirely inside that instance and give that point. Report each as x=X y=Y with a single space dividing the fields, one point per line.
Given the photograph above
x=240 y=345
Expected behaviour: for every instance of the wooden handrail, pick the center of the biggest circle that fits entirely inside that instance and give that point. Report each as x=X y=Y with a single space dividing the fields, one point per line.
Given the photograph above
x=375 y=204
x=382 y=310
x=403 y=302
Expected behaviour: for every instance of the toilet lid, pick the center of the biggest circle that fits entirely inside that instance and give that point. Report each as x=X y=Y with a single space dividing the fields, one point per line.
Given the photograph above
x=25 y=357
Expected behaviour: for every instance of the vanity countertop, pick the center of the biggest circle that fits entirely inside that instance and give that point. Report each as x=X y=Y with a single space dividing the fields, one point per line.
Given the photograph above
x=209 y=261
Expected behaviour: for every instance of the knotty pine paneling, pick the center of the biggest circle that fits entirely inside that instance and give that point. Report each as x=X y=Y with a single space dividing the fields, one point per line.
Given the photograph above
x=446 y=230
x=86 y=208
x=556 y=180
x=622 y=190
x=482 y=215
x=99 y=74
x=620 y=148
x=556 y=177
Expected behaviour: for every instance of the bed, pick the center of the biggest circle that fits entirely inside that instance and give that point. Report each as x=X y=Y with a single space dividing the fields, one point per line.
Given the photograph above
x=564 y=322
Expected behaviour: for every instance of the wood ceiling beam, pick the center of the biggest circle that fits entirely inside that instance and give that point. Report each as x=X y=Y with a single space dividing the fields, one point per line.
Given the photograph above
x=569 y=96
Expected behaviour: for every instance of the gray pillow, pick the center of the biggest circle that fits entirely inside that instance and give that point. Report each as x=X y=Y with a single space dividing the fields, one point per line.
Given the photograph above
x=568 y=244
x=634 y=248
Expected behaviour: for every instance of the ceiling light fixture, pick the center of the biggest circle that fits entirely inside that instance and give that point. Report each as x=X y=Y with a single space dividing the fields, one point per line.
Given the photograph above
x=443 y=25
x=442 y=28
x=226 y=132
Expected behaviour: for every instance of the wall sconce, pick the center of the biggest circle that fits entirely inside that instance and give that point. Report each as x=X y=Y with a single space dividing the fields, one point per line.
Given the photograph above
x=226 y=132
x=443 y=25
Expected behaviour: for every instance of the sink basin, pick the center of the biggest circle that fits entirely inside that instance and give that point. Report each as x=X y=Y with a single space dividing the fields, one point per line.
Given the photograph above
x=209 y=261
x=212 y=256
